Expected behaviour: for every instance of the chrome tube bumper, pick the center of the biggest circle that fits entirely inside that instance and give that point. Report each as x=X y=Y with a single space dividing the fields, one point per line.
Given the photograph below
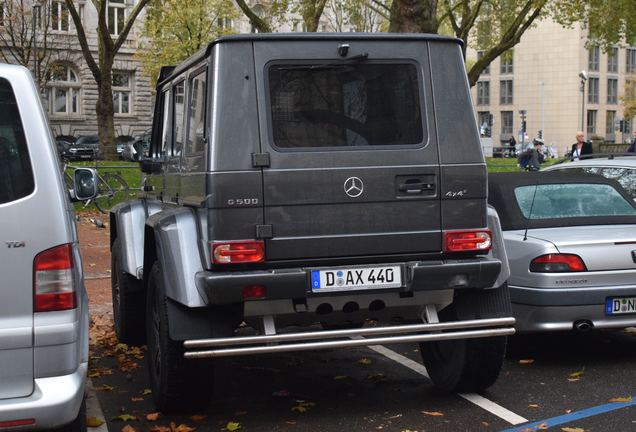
x=250 y=345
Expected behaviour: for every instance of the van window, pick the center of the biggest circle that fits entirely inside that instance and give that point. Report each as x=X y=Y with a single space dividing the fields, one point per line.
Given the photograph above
x=195 y=143
x=16 y=174
x=165 y=126
x=337 y=105
x=178 y=113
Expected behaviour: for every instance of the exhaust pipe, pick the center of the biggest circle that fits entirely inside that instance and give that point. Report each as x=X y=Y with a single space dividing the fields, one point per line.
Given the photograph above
x=583 y=325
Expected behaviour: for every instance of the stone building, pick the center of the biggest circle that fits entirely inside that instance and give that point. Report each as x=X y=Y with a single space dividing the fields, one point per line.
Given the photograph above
x=541 y=77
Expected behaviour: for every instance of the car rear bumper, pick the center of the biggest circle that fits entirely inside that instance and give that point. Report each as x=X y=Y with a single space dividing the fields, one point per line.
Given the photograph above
x=294 y=283
x=548 y=309
x=54 y=402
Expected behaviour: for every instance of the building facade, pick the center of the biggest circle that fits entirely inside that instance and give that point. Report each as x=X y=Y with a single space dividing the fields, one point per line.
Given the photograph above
x=540 y=81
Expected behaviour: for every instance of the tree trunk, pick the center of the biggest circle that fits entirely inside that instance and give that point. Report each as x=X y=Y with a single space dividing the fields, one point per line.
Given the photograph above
x=105 y=115
x=413 y=16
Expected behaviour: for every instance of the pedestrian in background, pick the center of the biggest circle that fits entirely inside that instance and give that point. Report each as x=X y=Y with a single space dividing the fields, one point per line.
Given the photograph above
x=531 y=159
x=581 y=147
x=632 y=146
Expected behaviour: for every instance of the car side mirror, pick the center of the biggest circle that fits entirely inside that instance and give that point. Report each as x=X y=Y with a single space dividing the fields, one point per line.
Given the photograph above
x=84 y=184
x=151 y=166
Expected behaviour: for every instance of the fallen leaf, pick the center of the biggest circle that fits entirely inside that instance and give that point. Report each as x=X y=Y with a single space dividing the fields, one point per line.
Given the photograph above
x=407 y=430
x=578 y=374
x=621 y=399
x=299 y=409
x=485 y=424
x=233 y=426
x=161 y=429
x=376 y=377
x=433 y=413
x=152 y=416
x=124 y=417
x=137 y=399
x=105 y=387
x=94 y=422
x=92 y=264
x=128 y=428
x=290 y=422
x=542 y=426
x=182 y=428
x=198 y=417
x=569 y=429
x=364 y=361
x=533 y=406
x=526 y=361
x=341 y=377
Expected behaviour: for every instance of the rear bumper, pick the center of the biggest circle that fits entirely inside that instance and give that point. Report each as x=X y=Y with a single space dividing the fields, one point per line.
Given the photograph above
x=548 y=309
x=54 y=402
x=293 y=283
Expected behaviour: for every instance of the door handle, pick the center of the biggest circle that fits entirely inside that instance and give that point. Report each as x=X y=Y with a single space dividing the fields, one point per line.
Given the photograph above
x=416 y=187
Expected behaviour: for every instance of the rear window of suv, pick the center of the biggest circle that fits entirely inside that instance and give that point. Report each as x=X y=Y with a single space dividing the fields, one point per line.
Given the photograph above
x=16 y=174
x=342 y=105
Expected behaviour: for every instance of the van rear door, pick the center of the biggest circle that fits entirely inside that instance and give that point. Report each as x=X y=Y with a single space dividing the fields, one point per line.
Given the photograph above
x=17 y=253
x=352 y=164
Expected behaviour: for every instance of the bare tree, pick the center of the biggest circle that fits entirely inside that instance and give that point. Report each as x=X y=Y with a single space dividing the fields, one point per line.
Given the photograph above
x=102 y=66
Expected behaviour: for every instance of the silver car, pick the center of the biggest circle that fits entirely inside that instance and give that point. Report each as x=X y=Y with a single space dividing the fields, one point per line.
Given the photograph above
x=43 y=304
x=571 y=245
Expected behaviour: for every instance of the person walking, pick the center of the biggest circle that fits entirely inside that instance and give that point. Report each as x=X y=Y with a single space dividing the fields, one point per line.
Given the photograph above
x=632 y=146
x=581 y=147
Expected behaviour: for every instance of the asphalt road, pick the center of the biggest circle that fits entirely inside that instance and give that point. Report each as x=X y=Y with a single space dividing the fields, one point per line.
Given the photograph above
x=556 y=382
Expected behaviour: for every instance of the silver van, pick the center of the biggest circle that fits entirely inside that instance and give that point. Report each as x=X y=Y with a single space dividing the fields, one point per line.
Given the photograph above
x=43 y=303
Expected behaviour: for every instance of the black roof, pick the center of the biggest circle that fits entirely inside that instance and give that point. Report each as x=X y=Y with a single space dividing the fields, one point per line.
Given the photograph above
x=256 y=37
x=501 y=195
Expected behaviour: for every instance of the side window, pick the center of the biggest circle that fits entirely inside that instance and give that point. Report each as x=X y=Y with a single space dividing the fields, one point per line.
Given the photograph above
x=625 y=176
x=16 y=174
x=178 y=117
x=195 y=141
x=165 y=126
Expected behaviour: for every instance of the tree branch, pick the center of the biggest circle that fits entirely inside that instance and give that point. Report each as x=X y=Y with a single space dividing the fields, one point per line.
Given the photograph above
x=81 y=36
x=131 y=20
x=255 y=20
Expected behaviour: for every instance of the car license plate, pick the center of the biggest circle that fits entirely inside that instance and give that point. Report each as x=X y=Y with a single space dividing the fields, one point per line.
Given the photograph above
x=356 y=278
x=620 y=305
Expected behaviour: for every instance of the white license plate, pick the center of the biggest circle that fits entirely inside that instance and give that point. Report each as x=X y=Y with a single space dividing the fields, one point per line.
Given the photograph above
x=356 y=278
x=620 y=305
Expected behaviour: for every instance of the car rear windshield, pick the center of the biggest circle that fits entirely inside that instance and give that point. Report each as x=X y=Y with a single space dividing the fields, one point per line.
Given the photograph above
x=16 y=174
x=556 y=201
x=343 y=105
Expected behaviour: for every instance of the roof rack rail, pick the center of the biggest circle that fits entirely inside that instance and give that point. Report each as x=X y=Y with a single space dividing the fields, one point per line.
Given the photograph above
x=568 y=156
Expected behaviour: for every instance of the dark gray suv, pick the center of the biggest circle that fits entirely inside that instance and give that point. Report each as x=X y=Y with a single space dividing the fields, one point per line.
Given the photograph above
x=303 y=180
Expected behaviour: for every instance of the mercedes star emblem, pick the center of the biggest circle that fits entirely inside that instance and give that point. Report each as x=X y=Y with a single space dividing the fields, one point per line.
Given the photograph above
x=353 y=187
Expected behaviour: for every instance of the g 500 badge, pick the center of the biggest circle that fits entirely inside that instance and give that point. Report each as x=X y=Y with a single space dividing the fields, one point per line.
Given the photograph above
x=242 y=202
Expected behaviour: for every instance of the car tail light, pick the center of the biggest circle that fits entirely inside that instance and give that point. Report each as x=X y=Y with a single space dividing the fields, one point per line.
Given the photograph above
x=53 y=282
x=254 y=291
x=467 y=241
x=557 y=263
x=236 y=252
x=16 y=423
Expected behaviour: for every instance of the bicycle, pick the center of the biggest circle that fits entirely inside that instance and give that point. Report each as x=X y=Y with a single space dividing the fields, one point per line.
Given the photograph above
x=111 y=188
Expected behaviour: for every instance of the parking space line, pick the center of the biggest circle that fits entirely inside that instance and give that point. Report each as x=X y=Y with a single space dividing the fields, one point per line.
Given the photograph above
x=568 y=418
x=480 y=401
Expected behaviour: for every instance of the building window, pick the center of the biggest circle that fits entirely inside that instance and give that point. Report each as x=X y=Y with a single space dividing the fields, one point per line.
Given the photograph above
x=612 y=91
x=610 y=121
x=631 y=60
x=59 y=16
x=484 y=118
x=591 y=121
x=64 y=90
x=225 y=23
x=506 y=122
x=486 y=70
x=594 y=55
x=506 y=62
x=122 y=87
x=116 y=16
x=612 y=60
x=483 y=93
x=592 y=90
x=505 y=92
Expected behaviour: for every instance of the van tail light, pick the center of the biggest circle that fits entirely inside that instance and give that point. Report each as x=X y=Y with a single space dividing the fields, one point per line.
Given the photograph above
x=237 y=252
x=557 y=263
x=53 y=281
x=467 y=241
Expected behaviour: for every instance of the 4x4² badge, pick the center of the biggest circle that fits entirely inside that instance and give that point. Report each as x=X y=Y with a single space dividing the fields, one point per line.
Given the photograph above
x=353 y=187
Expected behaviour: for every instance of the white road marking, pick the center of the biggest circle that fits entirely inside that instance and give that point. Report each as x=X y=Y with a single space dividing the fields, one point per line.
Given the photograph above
x=474 y=398
x=93 y=408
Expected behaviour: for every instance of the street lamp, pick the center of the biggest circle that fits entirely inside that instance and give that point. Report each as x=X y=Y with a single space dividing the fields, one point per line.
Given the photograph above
x=583 y=76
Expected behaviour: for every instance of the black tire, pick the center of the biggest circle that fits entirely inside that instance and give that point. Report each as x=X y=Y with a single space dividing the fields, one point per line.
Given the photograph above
x=79 y=424
x=111 y=189
x=129 y=301
x=176 y=383
x=469 y=365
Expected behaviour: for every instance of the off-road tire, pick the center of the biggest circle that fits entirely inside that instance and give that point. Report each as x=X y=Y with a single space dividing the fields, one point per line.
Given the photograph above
x=176 y=383
x=129 y=301
x=469 y=365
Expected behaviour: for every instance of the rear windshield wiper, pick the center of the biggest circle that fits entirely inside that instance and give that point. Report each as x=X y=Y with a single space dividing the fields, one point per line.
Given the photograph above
x=337 y=64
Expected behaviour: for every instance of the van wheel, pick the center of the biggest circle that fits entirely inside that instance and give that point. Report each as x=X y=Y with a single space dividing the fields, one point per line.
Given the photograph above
x=129 y=308
x=176 y=383
x=469 y=365
x=79 y=424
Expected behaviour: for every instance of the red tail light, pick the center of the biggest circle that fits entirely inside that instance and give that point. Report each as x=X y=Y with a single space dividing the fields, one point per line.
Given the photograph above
x=53 y=282
x=236 y=252
x=557 y=263
x=467 y=241
x=254 y=291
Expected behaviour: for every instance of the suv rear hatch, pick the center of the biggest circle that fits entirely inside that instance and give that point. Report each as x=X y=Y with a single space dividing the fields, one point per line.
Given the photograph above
x=353 y=164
